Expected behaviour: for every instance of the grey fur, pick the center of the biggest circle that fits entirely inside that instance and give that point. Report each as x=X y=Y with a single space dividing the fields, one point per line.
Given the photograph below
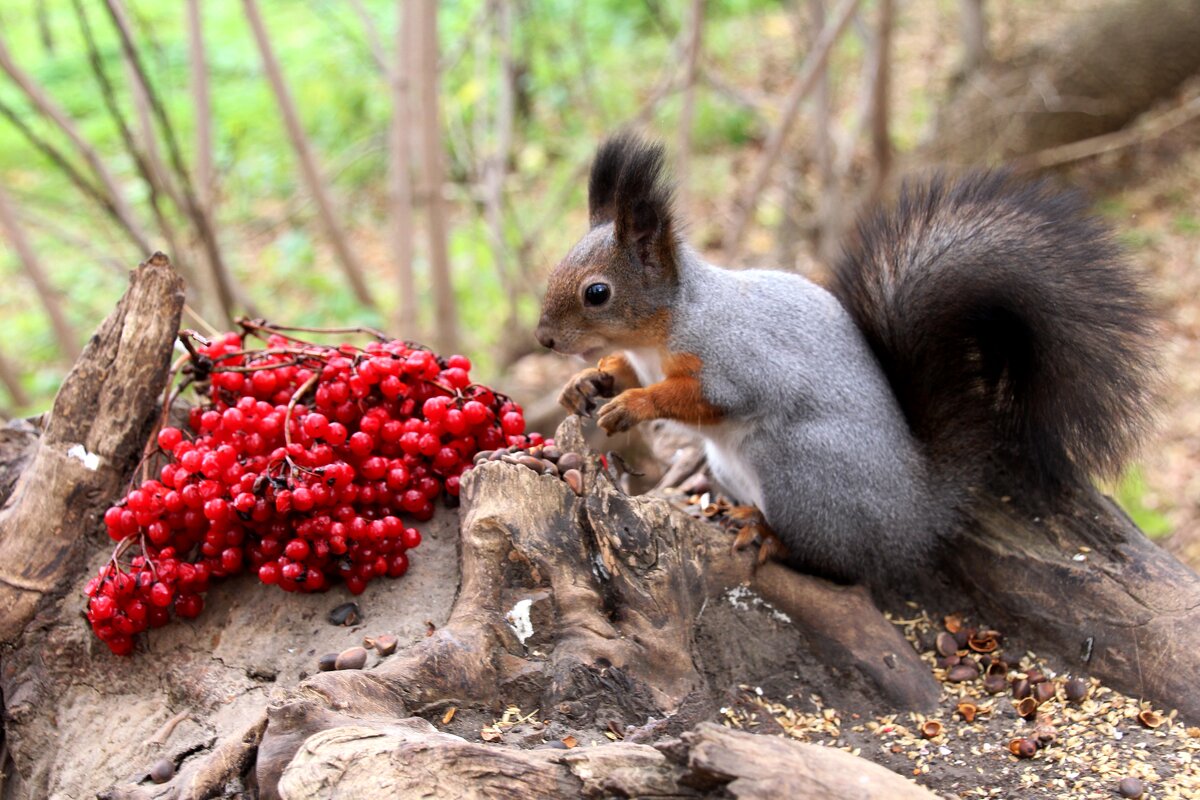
x=813 y=422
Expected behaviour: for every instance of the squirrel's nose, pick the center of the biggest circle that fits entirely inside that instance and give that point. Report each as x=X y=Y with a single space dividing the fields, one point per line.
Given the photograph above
x=544 y=338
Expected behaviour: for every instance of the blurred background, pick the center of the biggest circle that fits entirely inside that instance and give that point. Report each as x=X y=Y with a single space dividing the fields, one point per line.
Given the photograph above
x=419 y=167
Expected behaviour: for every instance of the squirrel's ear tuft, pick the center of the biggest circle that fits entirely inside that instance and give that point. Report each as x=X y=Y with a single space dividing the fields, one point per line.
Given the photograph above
x=644 y=218
x=606 y=171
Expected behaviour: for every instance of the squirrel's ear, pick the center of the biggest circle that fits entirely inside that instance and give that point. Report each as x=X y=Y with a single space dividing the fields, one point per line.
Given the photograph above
x=644 y=218
x=606 y=171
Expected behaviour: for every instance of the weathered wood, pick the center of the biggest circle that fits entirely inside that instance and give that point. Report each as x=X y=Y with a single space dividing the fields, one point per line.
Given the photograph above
x=1085 y=584
x=607 y=612
x=412 y=759
x=101 y=418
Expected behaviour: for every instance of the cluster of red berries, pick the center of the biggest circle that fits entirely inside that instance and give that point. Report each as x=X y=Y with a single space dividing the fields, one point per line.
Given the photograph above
x=303 y=466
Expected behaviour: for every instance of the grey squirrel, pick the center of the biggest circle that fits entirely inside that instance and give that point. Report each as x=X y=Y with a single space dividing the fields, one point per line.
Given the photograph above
x=985 y=324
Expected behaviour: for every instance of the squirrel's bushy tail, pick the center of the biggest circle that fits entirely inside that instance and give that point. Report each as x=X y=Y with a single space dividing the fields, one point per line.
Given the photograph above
x=1012 y=330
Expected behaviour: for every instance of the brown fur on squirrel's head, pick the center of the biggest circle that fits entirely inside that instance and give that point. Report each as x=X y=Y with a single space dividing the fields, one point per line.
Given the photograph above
x=615 y=287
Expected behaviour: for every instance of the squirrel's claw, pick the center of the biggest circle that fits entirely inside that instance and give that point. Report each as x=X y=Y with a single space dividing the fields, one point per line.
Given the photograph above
x=615 y=416
x=581 y=392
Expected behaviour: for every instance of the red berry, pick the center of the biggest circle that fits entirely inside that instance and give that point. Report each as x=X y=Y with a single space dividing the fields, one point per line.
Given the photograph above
x=169 y=437
x=161 y=594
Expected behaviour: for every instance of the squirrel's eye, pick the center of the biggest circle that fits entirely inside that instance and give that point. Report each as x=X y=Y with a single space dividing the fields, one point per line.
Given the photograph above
x=597 y=294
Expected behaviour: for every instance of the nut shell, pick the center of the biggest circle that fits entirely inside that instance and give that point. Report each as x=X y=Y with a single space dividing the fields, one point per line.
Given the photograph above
x=1076 y=690
x=961 y=673
x=931 y=728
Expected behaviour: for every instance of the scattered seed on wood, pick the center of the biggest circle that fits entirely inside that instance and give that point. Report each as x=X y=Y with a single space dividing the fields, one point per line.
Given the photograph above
x=449 y=715
x=1130 y=787
x=347 y=614
x=327 y=662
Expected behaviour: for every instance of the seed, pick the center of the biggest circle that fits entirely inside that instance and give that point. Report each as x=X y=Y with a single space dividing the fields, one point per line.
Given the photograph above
x=1020 y=688
x=497 y=455
x=1035 y=676
x=532 y=463
x=1150 y=719
x=947 y=662
x=327 y=662
x=961 y=673
x=570 y=461
x=931 y=728
x=1130 y=787
x=967 y=710
x=551 y=453
x=1027 y=707
x=962 y=635
x=1043 y=691
x=946 y=645
x=1076 y=690
x=574 y=479
x=345 y=614
x=1023 y=748
x=548 y=468
x=351 y=658
x=994 y=684
x=164 y=769
x=385 y=645
x=483 y=455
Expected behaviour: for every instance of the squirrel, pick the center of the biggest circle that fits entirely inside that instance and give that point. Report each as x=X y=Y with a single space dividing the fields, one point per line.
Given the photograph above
x=983 y=326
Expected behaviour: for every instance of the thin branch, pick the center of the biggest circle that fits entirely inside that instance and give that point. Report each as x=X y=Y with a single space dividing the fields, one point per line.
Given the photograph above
x=371 y=33
x=226 y=290
x=64 y=333
x=1151 y=128
x=198 y=83
x=46 y=106
x=10 y=377
x=974 y=25
x=346 y=257
x=695 y=32
x=813 y=65
x=881 y=143
x=495 y=168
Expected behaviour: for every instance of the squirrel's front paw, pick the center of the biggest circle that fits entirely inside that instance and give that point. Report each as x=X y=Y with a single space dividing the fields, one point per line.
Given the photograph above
x=624 y=411
x=580 y=394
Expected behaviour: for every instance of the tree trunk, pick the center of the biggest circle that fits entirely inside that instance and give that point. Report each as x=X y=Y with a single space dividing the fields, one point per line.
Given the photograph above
x=400 y=189
x=431 y=170
x=309 y=169
x=1085 y=81
x=687 y=110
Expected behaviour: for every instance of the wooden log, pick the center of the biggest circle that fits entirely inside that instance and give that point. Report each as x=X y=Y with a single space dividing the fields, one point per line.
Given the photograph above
x=101 y=418
x=413 y=759
x=1079 y=580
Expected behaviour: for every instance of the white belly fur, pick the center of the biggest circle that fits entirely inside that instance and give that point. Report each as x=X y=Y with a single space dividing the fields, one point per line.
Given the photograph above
x=723 y=442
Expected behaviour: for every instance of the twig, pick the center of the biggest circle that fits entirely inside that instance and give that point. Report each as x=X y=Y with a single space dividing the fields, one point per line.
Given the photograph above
x=1074 y=151
x=813 y=65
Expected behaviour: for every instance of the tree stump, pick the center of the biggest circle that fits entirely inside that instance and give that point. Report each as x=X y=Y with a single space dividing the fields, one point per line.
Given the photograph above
x=609 y=615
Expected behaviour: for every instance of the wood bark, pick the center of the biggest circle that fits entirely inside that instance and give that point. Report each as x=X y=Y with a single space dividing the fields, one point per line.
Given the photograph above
x=310 y=171
x=99 y=423
x=1090 y=78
